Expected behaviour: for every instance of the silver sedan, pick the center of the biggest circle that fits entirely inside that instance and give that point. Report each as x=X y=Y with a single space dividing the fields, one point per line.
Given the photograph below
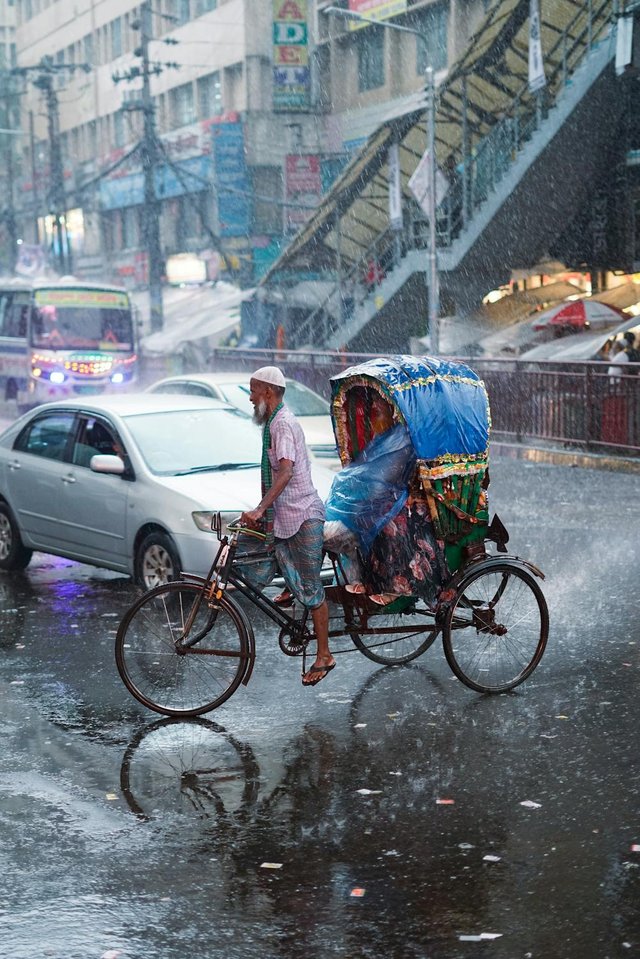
x=128 y=482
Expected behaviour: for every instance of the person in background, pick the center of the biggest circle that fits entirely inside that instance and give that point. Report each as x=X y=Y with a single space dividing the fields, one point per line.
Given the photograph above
x=618 y=359
x=633 y=353
x=290 y=511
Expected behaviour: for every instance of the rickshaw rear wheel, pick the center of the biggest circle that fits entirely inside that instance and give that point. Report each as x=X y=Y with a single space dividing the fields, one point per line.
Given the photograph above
x=496 y=629
x=394 y=639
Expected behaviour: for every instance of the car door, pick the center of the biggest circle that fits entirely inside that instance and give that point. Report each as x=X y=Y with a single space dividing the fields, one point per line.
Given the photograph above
x=96 y=503
x=36 y=479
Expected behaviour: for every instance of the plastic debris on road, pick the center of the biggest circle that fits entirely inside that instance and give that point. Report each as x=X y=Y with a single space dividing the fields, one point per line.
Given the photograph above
x=530 y=804
x=357 y=892
x=271 y=865
x=480 y=937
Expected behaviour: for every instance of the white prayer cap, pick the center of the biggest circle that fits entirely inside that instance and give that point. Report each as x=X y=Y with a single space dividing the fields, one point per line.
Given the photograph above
x=271 y=375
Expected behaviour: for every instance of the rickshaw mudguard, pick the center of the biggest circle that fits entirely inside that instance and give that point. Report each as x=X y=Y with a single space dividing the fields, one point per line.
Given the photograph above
x=490 y=562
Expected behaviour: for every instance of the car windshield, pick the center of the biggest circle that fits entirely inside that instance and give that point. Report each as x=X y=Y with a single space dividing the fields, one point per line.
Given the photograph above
x=300 y=400
x=179 y=442
x=82 y=319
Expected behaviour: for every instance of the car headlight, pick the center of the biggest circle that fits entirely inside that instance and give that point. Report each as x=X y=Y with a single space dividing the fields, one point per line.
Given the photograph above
x=203 y=519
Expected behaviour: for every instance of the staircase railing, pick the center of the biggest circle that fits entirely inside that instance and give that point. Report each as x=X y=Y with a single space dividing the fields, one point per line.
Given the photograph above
x=472 y=178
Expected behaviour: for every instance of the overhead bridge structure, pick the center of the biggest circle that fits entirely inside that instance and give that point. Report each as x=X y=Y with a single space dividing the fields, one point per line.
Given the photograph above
x=519 y=166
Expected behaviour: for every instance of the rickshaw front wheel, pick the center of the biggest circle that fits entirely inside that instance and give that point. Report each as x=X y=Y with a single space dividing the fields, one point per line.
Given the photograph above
x=495 y=631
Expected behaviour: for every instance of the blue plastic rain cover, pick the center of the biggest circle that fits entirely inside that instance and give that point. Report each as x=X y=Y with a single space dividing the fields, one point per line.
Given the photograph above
x=372 y=490
x=444 y=403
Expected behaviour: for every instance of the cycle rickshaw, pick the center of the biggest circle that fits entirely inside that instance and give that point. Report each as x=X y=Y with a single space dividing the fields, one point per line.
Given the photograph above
x=412 y=433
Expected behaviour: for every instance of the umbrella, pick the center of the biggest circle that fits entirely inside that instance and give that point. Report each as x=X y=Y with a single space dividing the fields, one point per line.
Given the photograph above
x=579 y=314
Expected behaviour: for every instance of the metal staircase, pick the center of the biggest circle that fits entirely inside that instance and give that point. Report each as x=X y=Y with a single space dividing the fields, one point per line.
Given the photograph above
x=508 y=200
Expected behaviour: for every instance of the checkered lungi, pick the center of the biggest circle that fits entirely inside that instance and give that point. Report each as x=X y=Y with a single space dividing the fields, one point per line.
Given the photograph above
x=300 y=561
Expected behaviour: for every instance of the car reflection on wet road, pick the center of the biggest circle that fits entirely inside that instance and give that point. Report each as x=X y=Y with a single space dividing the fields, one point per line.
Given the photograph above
x=387 y=812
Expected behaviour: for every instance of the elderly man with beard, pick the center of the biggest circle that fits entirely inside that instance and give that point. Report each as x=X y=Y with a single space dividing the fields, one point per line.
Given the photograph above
x=290 y=511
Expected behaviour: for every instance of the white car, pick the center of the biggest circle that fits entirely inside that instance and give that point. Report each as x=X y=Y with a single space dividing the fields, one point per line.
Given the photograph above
x=309 y=408
x=128 y=482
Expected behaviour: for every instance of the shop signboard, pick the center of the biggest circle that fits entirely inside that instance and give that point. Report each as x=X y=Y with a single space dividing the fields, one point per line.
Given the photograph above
x=189 y=176
x=303 y=188
x=231 y=179
x=375 y=10
x=291 y=76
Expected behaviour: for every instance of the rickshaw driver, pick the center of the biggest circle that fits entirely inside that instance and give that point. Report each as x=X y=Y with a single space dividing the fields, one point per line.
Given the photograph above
x=291 y=511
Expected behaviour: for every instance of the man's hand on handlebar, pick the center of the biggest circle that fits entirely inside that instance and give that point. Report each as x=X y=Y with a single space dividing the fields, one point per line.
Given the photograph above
x=252 y=518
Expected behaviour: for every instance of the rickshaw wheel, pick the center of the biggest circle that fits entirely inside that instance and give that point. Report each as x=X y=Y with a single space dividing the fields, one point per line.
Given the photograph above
x=394 y=638
x=495 y=631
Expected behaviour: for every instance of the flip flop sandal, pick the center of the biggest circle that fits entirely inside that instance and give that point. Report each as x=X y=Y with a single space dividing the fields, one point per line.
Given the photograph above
x=318 y=669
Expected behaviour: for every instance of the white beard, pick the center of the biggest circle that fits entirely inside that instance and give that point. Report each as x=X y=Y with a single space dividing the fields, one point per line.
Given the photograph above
x=260 y=413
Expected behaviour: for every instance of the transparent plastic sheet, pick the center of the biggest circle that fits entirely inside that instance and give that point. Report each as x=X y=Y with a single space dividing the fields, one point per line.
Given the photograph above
x=369 y=492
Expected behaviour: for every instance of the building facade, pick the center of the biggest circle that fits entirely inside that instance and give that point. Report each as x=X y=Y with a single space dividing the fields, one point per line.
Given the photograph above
x=247 y=110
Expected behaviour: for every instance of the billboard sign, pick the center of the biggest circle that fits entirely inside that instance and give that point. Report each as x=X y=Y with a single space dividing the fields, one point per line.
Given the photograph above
x=303 y=188
x=231 y=179
x=375 y=10
x=291 y=76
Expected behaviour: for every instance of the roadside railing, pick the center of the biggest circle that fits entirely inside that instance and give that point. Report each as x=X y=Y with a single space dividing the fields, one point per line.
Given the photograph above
x=578 y=405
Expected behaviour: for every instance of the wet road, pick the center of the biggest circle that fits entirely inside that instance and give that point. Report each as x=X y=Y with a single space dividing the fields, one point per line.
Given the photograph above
x=126 y=836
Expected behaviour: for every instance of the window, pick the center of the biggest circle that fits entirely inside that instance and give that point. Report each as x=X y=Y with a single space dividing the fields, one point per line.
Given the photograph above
x=94 y=439
x=129 y=225
x=118 y=128
x=433 y=24
x=116 y=38
x=88 y=49
x=204 y=6
x=182 y=105
x=47 y=436
x=14 y=310
x=209 y=96
x=182 y=13
x=371 y=59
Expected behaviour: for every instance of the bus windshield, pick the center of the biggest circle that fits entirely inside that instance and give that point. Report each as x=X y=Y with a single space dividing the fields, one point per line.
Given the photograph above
x=82 y=319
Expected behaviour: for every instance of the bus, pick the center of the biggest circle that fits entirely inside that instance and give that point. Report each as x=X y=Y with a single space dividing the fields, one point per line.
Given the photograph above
x=64 y=338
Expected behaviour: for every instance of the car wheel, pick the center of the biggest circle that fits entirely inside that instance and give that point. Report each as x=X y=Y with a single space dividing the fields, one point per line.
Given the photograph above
x=156 y=561
x=13 y=555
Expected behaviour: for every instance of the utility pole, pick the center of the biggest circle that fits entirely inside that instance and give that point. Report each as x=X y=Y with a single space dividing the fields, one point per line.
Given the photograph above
x=9 y=123
x=151 y=212
x=149 y=154
x=57 y=200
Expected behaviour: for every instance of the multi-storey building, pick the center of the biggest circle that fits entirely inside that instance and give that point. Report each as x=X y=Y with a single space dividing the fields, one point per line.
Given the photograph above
x=256 y=106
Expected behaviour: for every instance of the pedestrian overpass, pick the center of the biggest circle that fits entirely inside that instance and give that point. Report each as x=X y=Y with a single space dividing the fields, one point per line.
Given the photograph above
x=520 y=167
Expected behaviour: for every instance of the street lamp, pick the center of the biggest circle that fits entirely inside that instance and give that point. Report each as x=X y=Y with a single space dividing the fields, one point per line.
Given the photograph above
x=432 y=273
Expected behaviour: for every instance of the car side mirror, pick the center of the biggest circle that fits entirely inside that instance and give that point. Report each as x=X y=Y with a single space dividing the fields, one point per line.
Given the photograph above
x=107 y=463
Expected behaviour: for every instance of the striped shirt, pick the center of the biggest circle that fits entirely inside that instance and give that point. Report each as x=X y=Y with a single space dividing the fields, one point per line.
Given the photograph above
x=299 y=499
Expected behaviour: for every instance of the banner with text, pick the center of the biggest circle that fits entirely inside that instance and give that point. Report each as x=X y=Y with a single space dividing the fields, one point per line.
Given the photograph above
x=291 y=77
x=375 y=10
x=303 y=188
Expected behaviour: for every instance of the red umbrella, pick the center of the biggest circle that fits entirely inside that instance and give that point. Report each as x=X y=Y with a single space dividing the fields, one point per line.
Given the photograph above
x=580 y=314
